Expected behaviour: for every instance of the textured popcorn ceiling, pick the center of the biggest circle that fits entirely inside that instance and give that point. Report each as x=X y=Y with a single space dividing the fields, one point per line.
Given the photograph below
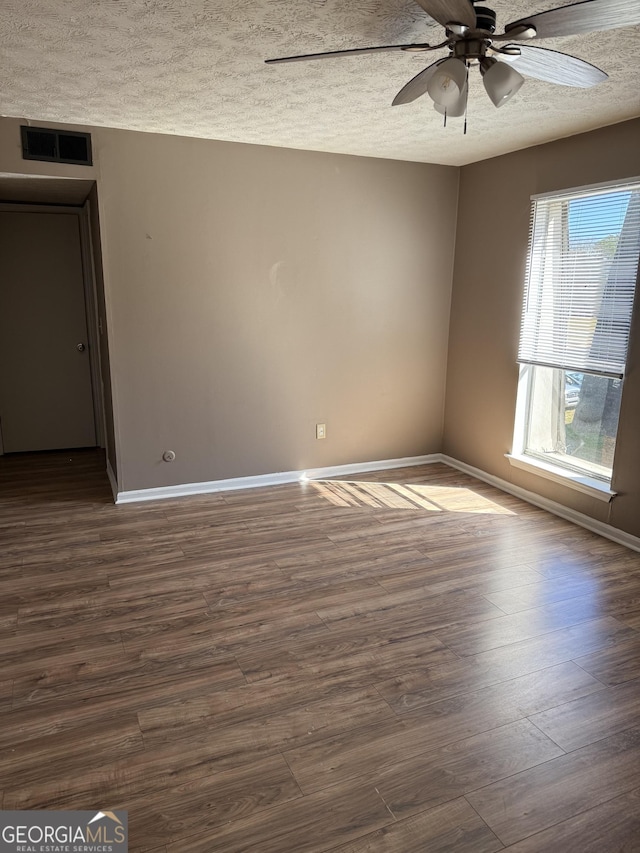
x=195 y=68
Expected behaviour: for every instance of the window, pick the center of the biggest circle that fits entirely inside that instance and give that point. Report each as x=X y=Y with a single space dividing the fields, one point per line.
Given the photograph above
x=579 y=290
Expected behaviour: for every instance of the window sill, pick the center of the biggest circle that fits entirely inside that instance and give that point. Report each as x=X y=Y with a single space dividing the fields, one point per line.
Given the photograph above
x=581 y=483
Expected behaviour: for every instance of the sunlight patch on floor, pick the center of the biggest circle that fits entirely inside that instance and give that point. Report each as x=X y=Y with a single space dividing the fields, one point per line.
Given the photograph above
x=352 y=493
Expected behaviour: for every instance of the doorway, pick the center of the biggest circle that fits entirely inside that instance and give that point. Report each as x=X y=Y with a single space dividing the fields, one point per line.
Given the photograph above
x=46 y=394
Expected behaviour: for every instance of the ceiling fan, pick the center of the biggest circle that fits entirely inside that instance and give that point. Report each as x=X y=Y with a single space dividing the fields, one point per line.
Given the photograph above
x=503 y=58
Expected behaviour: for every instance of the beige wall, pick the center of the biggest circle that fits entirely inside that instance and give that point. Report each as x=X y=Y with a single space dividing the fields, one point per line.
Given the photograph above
x=103 y=339
x=491 y=248
x=256 y=291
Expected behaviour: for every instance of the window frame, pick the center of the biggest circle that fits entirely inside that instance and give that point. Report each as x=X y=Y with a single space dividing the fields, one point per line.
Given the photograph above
x=579 y=480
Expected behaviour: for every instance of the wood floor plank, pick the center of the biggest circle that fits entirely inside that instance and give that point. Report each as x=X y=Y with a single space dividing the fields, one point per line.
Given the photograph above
x=471 y=639
x=271 y=546
x=453 y=770
x=335 y=556
x=303 y=724
x=202 y=805
x=394 y=609
x=207 y=579
x=37 y=716
x=37 y=544
x=420 y=688
x=113 y=608
x=386 y=536
x=454 y=826
x=205 y=631
x=571 y=563
x=618 y=590
x=347 y=561
x=205 y=537
x=8 y=619
x=195 y=573
x=540 y=594
x=302 y=599
x=612 y=826
x=563 y=644
x=355 y=657
x=244 y=702
x=54 y=589
x=143 y=775
x=630 y=618
x=371 y=751
x=48 y=721
x=471 y=573
x=590 y=718
x=154 y=522
x=24 y=763
x=481 y=551
x=24 y=653
x=307 y=825
x=6 y=695
x=125 y=677
x=614 y=665
x=113 y=559
x=538 y=798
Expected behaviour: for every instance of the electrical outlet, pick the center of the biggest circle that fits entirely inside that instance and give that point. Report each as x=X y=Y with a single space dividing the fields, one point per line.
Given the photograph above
x=321 y=430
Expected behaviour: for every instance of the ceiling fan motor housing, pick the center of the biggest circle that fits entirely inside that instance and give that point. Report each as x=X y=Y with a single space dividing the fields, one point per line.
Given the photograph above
x=470 y=49
x=485 y=19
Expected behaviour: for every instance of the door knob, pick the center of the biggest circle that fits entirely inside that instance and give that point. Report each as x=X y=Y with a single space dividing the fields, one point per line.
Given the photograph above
x=80 y=347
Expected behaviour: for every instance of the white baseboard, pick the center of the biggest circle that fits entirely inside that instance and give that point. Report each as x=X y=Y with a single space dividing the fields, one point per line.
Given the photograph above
x=363 y=467
x=112 y=480
x=579 y=518
x=261 y=480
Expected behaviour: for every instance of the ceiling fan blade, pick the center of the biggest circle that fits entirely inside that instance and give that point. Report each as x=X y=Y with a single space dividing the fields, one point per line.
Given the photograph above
x=586 y=17
x=332 y=54
x=555 y=67
x=416 y=86
x=450 y=11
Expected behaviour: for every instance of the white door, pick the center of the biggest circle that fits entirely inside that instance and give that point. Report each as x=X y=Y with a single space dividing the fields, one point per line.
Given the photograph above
x=46 y=400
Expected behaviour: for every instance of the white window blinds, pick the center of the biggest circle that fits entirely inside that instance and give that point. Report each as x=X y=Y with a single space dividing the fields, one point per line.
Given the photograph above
x=581 y=275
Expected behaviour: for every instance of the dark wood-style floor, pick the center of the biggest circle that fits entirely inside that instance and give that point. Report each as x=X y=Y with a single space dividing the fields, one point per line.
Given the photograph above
x=403 y=662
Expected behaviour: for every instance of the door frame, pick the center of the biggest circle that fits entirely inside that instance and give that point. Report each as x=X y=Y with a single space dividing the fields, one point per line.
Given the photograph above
x=90 y=301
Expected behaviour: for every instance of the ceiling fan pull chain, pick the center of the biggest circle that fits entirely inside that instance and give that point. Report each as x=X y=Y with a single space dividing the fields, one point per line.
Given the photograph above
x=466 y=102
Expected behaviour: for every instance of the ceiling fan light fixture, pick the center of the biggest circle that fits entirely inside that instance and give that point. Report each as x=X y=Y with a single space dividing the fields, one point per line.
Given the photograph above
x=501 y=80
x=456 y=109
x=446 y=85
